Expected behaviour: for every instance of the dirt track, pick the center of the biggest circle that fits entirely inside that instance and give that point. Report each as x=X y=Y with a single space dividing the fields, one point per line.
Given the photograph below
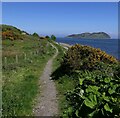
x=47 y=104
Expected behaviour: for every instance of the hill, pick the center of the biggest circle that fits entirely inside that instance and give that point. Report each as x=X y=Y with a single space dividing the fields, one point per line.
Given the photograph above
x=95 y=35
x=13 y=33
x=23 y=60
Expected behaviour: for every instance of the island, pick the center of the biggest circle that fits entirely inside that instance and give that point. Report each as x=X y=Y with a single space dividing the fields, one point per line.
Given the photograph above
x=87 y=35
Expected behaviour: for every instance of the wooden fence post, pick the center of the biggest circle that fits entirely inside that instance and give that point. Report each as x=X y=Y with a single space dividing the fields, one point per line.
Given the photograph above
x=37 y=51
x=5 y=60
x=16 y=58
x=24 y=56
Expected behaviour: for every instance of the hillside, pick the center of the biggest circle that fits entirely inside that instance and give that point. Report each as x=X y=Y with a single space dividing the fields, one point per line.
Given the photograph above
x=23 y=60
x=95 y=35
x=13 y=33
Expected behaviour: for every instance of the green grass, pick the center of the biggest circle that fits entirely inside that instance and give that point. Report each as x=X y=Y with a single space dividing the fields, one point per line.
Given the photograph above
x=63 y=83
x=20 y=80
x=58 y=59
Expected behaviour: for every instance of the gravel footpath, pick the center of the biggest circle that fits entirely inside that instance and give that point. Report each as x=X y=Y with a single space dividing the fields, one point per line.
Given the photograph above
x=47 y=104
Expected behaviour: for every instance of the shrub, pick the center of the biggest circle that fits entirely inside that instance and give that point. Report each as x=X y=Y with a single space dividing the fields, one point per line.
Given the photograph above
x=96 y=96
x=117 y=71
x=85 y=57
x=35 y=34
x=53 y=37
x=47 y=37
x=11 y=35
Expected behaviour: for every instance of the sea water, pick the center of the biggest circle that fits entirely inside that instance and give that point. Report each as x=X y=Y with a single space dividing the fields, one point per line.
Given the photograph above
x=110 y=46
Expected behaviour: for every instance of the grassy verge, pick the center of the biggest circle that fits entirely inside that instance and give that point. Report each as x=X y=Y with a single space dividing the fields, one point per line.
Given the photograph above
x=58 y=59
x=20 y=80
x=63 y=83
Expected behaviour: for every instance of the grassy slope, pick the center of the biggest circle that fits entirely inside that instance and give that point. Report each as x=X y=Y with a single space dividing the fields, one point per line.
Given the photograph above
x=20 y=80
x=64 y=84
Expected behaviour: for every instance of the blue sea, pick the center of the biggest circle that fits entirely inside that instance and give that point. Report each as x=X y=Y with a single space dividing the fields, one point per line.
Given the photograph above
x=110 y=46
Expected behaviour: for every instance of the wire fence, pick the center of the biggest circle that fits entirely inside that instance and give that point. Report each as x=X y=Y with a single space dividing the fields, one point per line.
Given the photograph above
x=23 y=58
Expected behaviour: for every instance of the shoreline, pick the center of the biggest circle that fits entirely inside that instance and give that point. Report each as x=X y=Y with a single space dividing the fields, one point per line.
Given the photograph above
x=64 y=45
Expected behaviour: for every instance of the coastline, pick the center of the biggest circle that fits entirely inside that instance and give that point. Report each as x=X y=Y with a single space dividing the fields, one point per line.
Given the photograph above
x=64 y=45
x=110 y=46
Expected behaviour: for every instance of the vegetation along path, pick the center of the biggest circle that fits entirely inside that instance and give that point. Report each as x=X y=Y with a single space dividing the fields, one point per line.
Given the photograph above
x=47 y=104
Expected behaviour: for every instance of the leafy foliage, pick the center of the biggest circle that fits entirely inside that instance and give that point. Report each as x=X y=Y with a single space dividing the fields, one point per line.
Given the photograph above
x=53 y=37
x=35 y=34
x=47 y=37
x=97 y=95
x=85 y=58
x=97 y=78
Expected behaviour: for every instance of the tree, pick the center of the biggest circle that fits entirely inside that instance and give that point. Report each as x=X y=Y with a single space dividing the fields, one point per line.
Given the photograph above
x=35 y=34
x=47 y=37
x=53 y=37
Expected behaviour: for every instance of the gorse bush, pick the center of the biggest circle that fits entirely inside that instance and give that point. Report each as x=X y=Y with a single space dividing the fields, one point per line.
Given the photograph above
x=95 y=77
x=85 y=57
x=13 y=33
x=10 y=35
x=95 y=96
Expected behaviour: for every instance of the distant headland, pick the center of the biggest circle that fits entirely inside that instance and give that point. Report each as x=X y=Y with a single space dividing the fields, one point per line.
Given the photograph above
x=87 y=35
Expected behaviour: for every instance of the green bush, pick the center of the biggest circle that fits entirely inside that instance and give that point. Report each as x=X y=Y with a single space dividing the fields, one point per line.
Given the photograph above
x=117 y=71
x=85 y=58
x=97 y=95
x=53 y=37
x=35 y=34
x=47 y=37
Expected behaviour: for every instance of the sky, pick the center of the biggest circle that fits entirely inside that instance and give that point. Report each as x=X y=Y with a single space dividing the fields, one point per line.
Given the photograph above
x=60 y=0
x=62 y=18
